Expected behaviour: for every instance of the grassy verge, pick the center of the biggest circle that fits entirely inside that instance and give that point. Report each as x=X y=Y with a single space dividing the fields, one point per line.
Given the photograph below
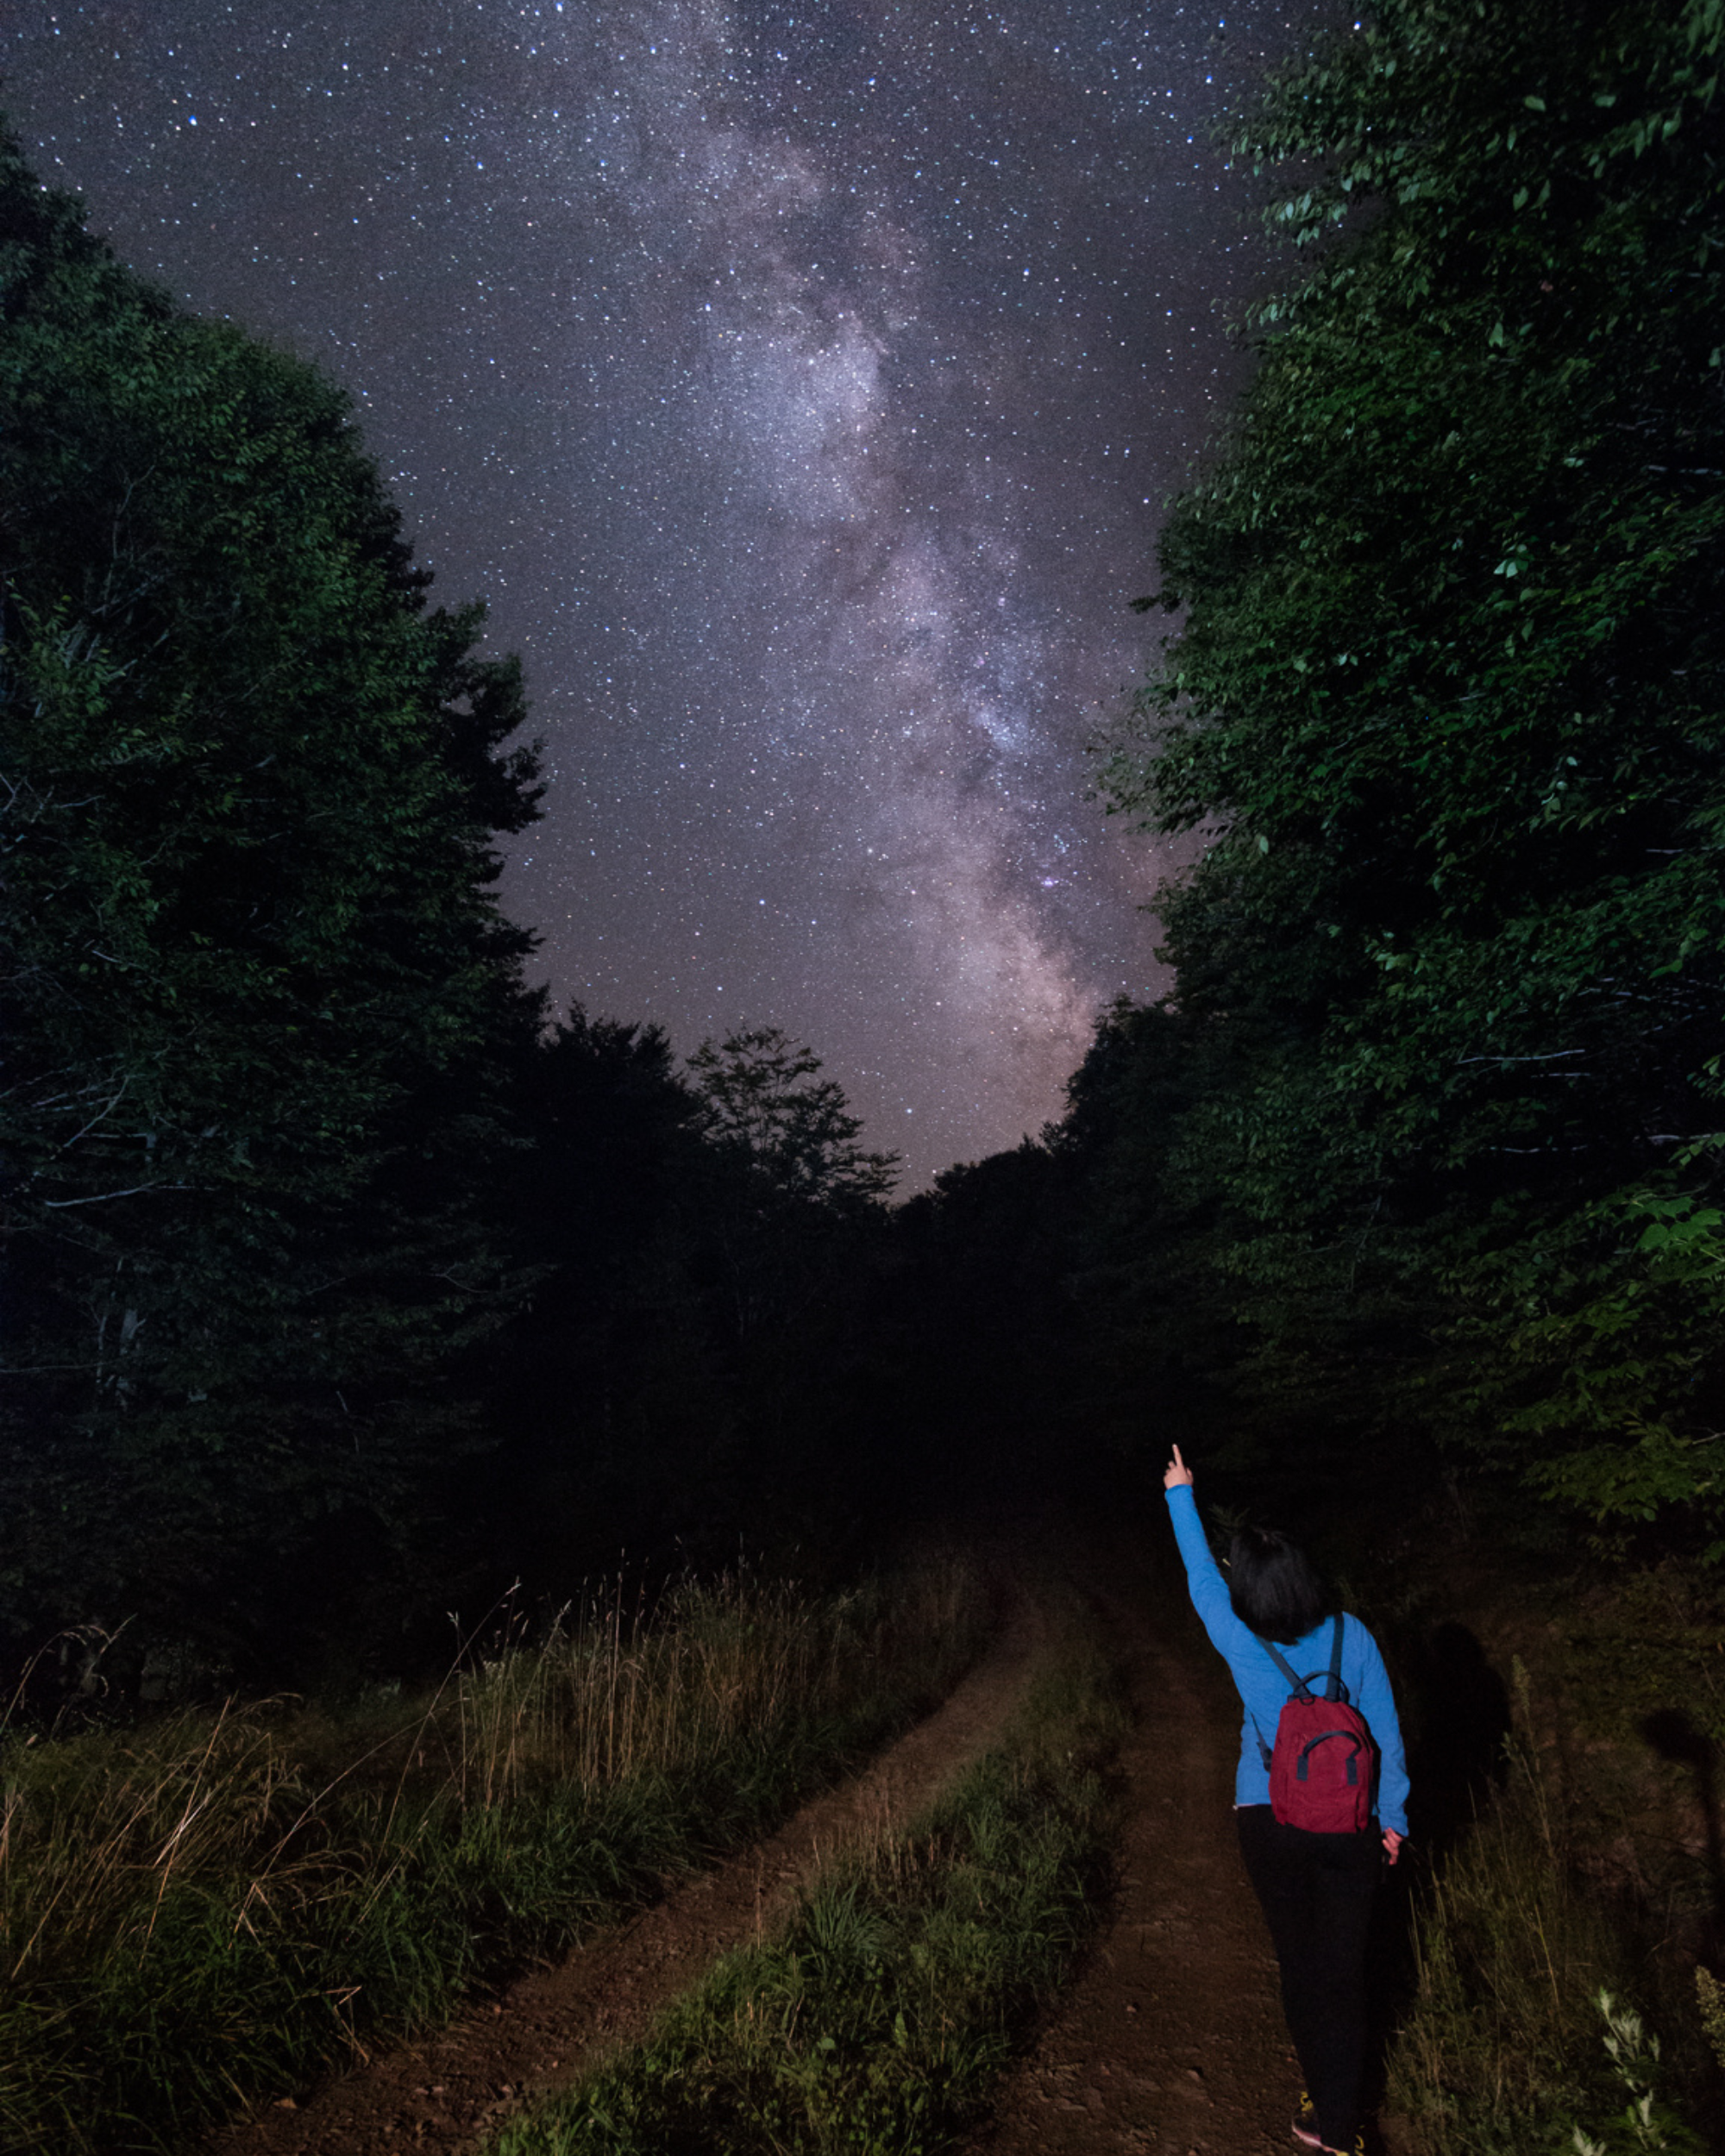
x=1500 y=2045
x=1581 y=1857
x=880 y=2018
x=217 y=1905
x=1521 y=2035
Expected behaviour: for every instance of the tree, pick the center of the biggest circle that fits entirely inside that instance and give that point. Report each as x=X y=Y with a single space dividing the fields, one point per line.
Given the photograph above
x=788 y=1181
x=1447 y=694
x=800 y=1136
x=254 y=988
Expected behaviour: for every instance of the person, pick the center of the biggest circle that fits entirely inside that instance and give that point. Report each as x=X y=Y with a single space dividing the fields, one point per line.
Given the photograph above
x=1315 y=1889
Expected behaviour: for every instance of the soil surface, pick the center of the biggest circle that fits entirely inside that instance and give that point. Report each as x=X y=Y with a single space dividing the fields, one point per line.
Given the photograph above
x=449 y=2091
x=1170 y=2037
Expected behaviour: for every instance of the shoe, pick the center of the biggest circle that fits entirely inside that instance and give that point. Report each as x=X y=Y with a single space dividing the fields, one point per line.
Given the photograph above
x=1304 y=2129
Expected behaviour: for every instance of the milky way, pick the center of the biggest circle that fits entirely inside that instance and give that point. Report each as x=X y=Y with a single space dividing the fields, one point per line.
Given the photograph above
x=801 y=386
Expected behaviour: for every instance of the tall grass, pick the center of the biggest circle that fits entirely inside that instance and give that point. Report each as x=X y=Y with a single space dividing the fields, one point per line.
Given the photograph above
x=212 y=1907
x=878 y=2020
x=1501 y=2053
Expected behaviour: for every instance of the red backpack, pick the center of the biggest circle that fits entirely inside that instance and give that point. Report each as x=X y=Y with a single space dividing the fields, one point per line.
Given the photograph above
x=1320 y=1770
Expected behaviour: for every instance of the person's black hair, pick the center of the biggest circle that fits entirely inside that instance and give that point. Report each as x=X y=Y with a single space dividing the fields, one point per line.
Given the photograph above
x=1273 y=1588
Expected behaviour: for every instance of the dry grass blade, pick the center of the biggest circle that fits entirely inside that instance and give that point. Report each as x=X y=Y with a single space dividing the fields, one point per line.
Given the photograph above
x=228 y=1897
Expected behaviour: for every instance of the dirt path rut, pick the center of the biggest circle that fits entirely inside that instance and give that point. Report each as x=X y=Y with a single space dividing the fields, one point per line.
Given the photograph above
x=1171 y=2038
x=447 y=2092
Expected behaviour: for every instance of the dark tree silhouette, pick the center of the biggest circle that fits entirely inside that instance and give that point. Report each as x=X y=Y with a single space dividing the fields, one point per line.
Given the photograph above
x=254 y=988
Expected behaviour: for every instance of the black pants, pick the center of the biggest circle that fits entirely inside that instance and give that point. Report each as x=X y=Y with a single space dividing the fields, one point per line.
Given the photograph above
x=1316 y=1891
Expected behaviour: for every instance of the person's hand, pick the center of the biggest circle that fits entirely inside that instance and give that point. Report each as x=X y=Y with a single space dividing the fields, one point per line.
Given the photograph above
x=1392 y=1843
x=1177 y=1473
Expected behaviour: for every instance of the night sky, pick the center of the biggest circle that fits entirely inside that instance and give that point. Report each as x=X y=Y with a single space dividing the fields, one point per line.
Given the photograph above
x=800 y=385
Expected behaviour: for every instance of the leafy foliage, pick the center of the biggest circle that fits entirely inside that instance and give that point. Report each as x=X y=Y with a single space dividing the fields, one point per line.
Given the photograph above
x=1447 y=703
x=254 y=982
x=788 y=1178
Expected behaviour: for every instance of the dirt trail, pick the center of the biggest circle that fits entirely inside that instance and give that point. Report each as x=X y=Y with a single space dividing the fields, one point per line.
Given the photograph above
x=1171 y=2038
x=448 y=2091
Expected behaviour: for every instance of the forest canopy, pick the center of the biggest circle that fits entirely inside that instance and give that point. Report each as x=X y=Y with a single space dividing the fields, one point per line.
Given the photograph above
x=254 y=981
x=340 y=1284
x=1445 y=700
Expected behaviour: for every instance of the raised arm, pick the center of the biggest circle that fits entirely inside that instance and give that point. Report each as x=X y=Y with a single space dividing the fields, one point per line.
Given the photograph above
x=1204 y=1582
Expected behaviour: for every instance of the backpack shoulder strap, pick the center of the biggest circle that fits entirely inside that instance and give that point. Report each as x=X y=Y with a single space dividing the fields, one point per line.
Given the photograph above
x=1333 y=1683
x=1301 y=1691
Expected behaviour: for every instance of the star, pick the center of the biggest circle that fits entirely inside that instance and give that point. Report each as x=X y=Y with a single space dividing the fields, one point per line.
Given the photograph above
x=799 y=381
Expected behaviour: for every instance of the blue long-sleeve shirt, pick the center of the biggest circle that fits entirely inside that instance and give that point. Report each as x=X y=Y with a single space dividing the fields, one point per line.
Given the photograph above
x=1264 y=1689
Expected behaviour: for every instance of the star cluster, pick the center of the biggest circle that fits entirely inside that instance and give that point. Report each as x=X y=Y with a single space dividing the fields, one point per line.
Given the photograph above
x=799 y=381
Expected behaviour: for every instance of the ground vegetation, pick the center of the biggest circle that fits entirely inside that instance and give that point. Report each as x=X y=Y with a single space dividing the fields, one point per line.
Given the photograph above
x=881 y=2017
x=215 y=1906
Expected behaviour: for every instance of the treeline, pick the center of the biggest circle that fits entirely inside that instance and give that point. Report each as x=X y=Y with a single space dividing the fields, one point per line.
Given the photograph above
x=1422 y=1159
x=339 y=1286
x=343 y=1283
